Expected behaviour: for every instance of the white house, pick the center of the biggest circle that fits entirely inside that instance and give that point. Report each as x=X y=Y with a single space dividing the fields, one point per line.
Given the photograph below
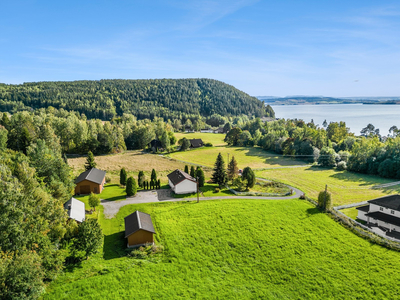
x=75 y=209
x=383 y=212
x=181 y=182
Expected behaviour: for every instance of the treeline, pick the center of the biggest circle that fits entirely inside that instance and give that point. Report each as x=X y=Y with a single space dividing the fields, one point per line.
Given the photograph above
x=72 y=132
x=330 y=146
x=145 y=99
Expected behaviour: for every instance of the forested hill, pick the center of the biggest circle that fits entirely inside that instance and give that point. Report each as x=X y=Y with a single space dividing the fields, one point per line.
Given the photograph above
x=104 y=99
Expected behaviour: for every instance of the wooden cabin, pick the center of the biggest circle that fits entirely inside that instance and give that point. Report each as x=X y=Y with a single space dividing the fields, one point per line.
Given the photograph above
x=92 y=180
x=139 y=229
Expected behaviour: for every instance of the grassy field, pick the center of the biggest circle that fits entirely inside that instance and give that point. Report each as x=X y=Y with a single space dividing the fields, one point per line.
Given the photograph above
x=132 y=161
x=214 y=138
x=253 y=157
x=346 y=187
x=235 y=249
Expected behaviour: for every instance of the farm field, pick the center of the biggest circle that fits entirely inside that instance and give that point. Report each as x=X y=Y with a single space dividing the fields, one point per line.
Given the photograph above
x=217 y=139
x=253 y=157
x=133 y=162
x=346 y=187
x=235 y=249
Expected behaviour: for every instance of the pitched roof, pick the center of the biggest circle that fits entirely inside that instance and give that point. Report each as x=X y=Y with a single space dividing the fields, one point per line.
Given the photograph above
x=93 y=175
x=196 y=143
x=75 y=209
x=178 y=176
x=363 y=208
x=384 y=217
x=391 y=201
x=138 y=221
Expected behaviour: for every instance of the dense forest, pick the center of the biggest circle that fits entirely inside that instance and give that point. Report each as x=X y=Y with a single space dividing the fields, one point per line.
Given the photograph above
x=145 y=99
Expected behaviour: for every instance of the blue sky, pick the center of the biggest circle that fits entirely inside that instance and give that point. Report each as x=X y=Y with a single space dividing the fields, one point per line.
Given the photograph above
x=279 y=48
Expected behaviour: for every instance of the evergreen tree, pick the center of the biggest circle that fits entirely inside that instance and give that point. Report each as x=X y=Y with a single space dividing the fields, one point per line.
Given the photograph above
x=153 y=177
x=325 y=201
x=131 y=187
x=165 y=141
x=248 y=175
x=192 y=172
x=200 y=176
x=90 y=163
x=219 y=172
x=232 y=169
x=159 y=183
x=141 y=178
x=186 y=169
x=123 y=177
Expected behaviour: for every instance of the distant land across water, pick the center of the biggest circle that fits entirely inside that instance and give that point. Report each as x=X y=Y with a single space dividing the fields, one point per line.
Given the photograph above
x=356 y=116
x=314 y=100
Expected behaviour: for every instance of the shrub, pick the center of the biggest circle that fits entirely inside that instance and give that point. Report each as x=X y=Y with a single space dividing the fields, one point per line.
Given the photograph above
x=208 y=144
x=131 y=187
x=248 y=175
x=89 y=237
x=341 y=166
x=322 y=203
x=122 y=176
x=108 y=179
x=94 y=200
x=216 y=190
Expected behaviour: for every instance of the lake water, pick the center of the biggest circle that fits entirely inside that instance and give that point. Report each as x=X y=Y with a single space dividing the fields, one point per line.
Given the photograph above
x=356 y=116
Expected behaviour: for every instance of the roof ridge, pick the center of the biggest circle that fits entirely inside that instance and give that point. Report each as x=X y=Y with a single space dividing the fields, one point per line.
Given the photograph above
x=138 y=218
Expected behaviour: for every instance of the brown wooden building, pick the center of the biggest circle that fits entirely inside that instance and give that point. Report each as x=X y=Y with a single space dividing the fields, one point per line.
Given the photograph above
x=92 y=180
x=139 y=229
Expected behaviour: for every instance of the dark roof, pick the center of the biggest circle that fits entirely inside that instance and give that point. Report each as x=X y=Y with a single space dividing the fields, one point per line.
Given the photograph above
x=384 y=217
x=155 y=143
x=138 y=221
x=363 y=208
x=93 y=175
x=196 y=143
x=178 y=176
x=391 y=201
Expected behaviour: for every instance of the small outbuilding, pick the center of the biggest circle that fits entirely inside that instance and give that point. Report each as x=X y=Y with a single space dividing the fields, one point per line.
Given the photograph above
x=196 y=143
x=139 y=229
x=154 y=145
x=75 y=209
x=92 y=180
x=181 y=182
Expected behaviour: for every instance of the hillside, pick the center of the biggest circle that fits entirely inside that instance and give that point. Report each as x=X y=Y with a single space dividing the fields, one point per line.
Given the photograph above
x=104 y=99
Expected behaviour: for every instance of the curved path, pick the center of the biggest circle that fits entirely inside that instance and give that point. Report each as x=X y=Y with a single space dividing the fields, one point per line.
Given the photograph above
x=111 y=208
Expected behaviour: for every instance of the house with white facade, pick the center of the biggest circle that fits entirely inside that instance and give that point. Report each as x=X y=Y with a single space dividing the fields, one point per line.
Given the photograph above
x=181 y=182
x=382 y=212
x=75 y=209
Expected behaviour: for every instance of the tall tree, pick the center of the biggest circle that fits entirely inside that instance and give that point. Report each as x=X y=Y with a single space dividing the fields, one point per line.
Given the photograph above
x=184 y=143
x=192 y=172
x=187 y=169
x=153 y=176
x=200 y=176
x=141 y=178
x=122 y=177
x=165 y=141
x=89 y=237
x=232 y=169
x=249 y=176
x=219 y=172
x=90 y=163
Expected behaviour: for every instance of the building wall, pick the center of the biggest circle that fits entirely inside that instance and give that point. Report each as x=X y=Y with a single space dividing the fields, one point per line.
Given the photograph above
x=374 y=207
x=186 y=187
x=361 y=215
x=86 y=187
x=384 y=224
x=140 y=237
x=171 y=185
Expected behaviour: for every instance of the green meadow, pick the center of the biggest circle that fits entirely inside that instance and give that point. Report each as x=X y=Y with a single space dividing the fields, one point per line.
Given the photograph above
x=346 y=187
x=235 y=249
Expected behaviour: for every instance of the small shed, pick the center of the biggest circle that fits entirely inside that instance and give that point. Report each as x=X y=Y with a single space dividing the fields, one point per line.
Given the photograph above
x=196 y=143
x=75 y=209
x=139 y=229
x=154 y=145
x=92 y=180
x=181 y=182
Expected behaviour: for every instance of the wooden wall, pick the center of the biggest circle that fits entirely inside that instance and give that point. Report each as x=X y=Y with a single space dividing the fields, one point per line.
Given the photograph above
x=86 y=187
x=140 y=237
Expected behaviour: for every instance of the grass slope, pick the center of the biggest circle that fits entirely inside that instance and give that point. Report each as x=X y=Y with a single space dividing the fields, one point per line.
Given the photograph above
x=236 y=249
x=217 y=139
x=346 y=187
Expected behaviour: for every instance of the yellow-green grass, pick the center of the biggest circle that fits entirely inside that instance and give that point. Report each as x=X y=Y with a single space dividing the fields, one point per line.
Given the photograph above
x=350 y=212
x=235 y=249
x=345 y=187
x=133 y=162
x=216 y=139
x=254 y=157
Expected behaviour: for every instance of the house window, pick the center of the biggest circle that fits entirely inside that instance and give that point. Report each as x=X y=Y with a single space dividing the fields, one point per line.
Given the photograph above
x=392 y=212
x=381 y=208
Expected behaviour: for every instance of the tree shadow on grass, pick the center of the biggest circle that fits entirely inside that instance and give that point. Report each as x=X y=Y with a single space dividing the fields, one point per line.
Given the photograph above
x=114 y=245
x=312 y=211
x=271 y=158
x=116 y=198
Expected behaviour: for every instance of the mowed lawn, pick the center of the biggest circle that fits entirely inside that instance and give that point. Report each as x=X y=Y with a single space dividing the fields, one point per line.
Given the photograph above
x=346 y=187
x=236 y=249
x=217 y=139
x=254 y=157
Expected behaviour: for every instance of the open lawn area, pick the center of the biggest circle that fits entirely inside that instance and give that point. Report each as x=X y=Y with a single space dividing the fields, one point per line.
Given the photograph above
x=254 y=157
x=346 y=187
x=216 y=139
x=235 y=249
